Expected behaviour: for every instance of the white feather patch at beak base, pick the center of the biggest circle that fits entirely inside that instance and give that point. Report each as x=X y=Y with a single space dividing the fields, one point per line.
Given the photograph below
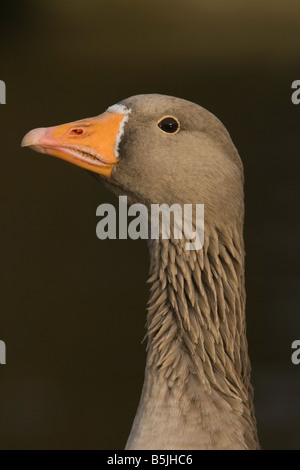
x=120 y=109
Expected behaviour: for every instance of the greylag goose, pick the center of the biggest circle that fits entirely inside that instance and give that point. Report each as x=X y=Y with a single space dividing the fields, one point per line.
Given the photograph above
x=158 y=149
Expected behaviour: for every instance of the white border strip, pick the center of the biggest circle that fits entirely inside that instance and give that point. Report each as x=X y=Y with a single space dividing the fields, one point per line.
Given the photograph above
x=120 y=109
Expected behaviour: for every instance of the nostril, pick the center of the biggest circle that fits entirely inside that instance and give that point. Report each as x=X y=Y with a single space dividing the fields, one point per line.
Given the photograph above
x=76 y=131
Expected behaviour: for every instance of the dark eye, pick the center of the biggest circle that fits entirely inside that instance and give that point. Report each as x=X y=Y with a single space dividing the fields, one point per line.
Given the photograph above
x=169 y=124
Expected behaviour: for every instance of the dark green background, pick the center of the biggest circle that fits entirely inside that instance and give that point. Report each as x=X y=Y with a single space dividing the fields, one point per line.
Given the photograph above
x=72 y=306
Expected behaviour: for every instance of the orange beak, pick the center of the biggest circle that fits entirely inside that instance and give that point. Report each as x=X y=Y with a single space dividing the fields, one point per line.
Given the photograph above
x=89 y=143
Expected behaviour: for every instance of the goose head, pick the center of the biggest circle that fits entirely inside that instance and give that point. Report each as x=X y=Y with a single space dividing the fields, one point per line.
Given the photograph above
x=154 y=149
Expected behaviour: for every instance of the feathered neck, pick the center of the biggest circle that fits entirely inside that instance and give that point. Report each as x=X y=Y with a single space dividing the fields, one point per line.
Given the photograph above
x=197 y=364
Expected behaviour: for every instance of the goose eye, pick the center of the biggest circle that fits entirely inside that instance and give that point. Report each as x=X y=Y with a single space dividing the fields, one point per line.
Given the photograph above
x=169 y=124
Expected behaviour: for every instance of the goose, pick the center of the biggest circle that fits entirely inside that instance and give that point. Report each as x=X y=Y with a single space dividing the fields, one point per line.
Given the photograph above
x=158 y=149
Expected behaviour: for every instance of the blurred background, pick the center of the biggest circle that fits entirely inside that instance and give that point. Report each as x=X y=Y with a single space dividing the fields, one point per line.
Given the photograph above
x=73 y=307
